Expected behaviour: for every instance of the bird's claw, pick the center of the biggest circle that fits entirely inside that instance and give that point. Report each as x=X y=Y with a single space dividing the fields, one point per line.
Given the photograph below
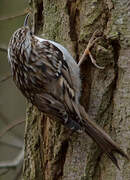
x=91 y=42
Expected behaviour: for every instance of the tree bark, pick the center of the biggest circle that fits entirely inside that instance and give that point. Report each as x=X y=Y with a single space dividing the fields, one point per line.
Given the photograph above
x=51 y=153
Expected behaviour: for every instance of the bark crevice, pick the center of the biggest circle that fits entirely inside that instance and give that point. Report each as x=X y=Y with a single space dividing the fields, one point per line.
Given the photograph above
x=73 y=13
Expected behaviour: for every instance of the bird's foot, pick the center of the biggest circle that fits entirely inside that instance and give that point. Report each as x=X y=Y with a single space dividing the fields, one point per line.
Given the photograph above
x=87 y=52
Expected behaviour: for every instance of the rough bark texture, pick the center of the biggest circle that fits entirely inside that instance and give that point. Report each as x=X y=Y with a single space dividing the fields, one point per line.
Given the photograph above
x=50 y=152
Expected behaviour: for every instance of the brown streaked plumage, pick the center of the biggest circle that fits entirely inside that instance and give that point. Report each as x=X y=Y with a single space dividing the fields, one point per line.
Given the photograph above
x=49 y=78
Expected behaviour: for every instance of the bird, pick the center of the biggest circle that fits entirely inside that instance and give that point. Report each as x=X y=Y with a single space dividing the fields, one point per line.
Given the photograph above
x=49 y=77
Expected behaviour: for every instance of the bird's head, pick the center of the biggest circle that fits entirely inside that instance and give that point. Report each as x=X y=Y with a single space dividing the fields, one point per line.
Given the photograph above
x=20 y=41
x=23 y=34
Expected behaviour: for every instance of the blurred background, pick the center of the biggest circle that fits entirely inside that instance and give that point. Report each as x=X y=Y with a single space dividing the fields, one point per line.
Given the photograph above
x=12 y=103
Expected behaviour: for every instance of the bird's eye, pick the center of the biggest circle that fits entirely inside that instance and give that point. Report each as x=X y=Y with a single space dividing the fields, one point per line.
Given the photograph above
x=31 y=33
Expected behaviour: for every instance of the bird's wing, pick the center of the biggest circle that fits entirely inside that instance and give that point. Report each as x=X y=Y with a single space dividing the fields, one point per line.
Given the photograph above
x=56 y=80
x=49 y=61
x=56 y=110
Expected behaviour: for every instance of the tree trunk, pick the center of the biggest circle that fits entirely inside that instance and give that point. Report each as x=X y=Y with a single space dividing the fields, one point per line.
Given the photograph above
x=51 y=153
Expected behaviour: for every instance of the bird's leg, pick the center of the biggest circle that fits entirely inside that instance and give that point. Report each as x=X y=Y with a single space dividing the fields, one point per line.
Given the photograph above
x=87 y=52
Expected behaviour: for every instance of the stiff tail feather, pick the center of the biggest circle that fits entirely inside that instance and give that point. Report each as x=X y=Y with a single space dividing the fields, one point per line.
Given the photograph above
x=101 y=138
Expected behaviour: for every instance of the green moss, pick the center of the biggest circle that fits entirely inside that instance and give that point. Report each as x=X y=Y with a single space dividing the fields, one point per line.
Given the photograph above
x=91 y=17
x=52 y=20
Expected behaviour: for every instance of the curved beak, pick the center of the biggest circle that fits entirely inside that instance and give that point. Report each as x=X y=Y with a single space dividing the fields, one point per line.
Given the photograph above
x=26 y=20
